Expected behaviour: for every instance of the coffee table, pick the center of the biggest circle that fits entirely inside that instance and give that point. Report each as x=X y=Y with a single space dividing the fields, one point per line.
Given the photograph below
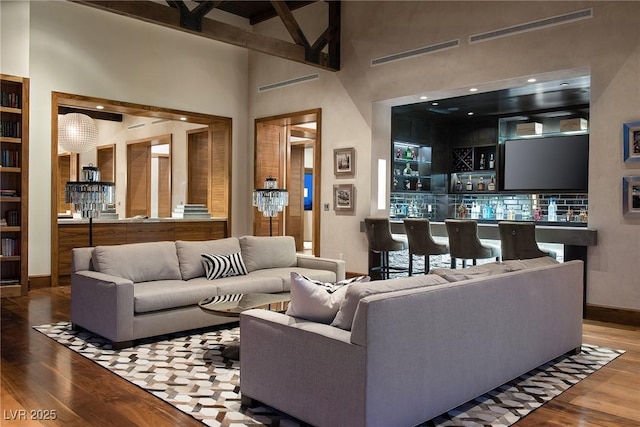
x=234 y=304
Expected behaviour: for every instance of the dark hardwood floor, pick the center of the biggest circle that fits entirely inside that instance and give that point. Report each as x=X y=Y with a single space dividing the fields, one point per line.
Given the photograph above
x=41 y=378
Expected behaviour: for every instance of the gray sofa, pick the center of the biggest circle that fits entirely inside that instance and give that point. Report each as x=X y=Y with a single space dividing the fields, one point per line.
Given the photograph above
x=132 y=291
x=409 y=349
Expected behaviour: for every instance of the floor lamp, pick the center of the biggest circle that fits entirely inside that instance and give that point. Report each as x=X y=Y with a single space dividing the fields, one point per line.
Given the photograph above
x=90 y=195
x=270 y=200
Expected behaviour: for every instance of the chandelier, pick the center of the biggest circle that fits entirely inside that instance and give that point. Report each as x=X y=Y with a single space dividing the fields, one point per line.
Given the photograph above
x=270 y=200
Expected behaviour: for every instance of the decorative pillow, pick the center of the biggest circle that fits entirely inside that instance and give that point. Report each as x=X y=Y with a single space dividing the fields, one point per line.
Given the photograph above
x=357 y=291
x=316 y=300
x=216 y=266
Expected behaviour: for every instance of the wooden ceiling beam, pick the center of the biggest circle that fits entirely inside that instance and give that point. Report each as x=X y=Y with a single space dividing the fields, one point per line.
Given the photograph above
x=172 y=17
x=290 y=23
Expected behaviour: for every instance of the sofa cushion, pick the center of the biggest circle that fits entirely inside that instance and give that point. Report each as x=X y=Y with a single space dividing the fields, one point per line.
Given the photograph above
x=260 y=252
x=483 y=270
x=138 y=262
x=522 y=264
x=189 y=254
x=357 y=291
x=247 y=284
x=316 y=300
x=285 y=274
x=216 y=266
x=169 y=294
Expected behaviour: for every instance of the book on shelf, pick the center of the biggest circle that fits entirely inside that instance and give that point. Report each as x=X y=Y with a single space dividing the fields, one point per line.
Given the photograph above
x=10 y=158
x=8 y=193
x=9 y=247
x=10 y=99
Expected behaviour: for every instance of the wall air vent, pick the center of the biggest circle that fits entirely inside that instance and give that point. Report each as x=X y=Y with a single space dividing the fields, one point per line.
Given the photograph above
x=533 y=25
x=290 y=82
x=136 y=126
x=415 y=52
x=160 y=121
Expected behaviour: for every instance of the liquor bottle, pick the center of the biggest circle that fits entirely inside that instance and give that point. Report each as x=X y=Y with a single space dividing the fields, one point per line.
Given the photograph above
x=459 y=185
x=482 y=161
x=408 y=153
x=469 y=184
x=500 y=211
x=492 y=184
x=398 y=154
x=553 y=210
x=419 y=185
x=491 y=161
x=481 y=184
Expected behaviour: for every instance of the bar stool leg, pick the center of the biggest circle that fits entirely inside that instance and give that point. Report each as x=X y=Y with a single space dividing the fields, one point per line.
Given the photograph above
x=427 y=264
x=410 y=264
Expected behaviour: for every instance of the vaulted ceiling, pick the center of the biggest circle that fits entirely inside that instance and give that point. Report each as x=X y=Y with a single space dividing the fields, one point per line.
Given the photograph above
x=192 y=17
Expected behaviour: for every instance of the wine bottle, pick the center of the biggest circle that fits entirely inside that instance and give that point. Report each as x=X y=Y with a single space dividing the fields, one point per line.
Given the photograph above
x=492 y=184
x=481 y=184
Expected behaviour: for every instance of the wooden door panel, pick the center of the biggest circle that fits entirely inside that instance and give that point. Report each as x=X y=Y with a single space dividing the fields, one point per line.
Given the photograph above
x=198 y=171
x=139 y=179
x=295 y=186
x=268 y=162
x=164 y=187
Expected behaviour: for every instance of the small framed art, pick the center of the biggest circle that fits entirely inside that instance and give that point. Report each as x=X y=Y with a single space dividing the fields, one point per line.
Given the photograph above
x=344 y=162
x=344 y=198
x=631 y=196
x=631 y=141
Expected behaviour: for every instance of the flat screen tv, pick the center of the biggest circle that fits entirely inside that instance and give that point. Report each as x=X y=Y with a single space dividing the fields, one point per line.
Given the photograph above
x=546 y=164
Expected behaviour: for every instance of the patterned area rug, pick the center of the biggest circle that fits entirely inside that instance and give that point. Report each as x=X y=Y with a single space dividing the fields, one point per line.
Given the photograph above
x=189 y=372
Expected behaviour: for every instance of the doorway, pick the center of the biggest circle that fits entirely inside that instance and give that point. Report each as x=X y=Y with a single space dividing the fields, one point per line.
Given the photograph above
x=288 y=148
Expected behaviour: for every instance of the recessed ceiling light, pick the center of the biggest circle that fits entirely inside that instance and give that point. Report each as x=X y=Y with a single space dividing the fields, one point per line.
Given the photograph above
x=423 y=97
x=532 y=80
x=564 y=84
x=100 y=107
x=473 y=89
x=184 y=119
x=470 y=113
x=434 y=103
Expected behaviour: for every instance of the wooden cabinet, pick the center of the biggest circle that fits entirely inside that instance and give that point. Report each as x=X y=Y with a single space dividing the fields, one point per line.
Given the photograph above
x=14 y=185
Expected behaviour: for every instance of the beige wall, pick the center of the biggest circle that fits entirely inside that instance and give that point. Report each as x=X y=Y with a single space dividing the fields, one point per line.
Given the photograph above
x=356 y=102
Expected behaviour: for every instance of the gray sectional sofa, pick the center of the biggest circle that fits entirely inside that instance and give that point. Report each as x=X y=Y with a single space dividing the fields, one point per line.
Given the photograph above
x=402 y=351
x=132 y=291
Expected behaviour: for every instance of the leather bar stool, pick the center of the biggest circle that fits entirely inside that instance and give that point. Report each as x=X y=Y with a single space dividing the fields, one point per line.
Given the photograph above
x=518 y=241
x=421 y=242
x=381 y=241
x=465 y=244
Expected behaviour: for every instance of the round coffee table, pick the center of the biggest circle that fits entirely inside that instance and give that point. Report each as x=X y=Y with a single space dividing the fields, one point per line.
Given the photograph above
x=234 y=304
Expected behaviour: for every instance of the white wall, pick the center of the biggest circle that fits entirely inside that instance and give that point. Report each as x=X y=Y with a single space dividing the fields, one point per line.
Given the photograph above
x=14 y=38
x=80 y=50
x=355 y=102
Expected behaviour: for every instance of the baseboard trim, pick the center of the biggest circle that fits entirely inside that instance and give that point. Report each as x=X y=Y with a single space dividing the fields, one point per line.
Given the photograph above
x=38 y=282
x=613 y=315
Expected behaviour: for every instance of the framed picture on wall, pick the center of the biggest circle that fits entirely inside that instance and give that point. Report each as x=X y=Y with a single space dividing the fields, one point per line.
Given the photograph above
x=631 y=141
x=631 y=196
x=344 y=198
x=344 y=162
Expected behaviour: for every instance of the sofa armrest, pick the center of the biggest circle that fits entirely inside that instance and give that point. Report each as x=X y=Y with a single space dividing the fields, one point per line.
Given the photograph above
x=103 y=304
x=288 y=362
x=335 y=265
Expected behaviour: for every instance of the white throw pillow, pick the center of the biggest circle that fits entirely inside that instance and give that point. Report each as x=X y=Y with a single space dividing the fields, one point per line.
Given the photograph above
x=315 y=300
x=216 y=266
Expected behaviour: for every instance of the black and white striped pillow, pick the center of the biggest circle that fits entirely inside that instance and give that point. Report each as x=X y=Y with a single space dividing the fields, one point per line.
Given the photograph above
x=216 y=266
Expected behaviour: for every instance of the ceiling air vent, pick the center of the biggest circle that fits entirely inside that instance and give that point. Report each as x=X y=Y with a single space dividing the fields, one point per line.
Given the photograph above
x=290 y=82
x=136 y=126
x=415 y=52
x=533 y=25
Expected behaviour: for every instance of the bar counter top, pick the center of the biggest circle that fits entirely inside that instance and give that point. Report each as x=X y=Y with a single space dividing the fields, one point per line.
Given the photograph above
x=68 y=221
x=574 y=235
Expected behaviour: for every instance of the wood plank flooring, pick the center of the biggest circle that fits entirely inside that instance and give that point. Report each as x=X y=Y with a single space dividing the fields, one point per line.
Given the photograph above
x=40 y=379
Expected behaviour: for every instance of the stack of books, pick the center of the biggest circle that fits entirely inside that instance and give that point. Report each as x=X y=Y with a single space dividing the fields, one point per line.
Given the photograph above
x=190 y=211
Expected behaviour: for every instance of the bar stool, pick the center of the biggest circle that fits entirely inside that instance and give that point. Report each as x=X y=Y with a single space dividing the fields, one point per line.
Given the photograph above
x=518 y=241
x=421 y=242
x=465 y=244
x=381 y=241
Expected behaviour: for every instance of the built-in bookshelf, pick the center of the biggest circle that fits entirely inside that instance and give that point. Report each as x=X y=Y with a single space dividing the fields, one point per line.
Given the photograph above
x=14 y=185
